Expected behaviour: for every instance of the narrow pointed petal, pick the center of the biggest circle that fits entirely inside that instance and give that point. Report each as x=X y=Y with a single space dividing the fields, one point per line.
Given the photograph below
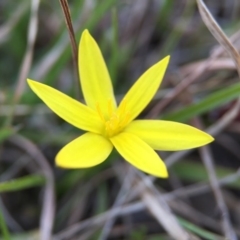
x=86 y=151
x=139 y=154
x=167 y=135
x=141 y=93
x=72 y=111
x=95 y=80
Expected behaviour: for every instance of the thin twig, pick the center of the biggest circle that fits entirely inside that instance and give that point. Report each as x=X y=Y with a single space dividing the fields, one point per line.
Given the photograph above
x=208 y=162
x=68 y=20
x=217 y=32
x=161 y=211
x=199 y=188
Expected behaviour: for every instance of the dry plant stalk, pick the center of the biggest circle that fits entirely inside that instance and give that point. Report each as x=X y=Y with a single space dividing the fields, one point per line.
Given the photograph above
x=220 y=36
x=68 y=20
x=217 y=32
x=48 y=205
x=164 y=217
x=160 y=210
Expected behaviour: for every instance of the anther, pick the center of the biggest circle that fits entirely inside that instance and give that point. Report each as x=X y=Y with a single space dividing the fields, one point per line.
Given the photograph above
x=100 y=112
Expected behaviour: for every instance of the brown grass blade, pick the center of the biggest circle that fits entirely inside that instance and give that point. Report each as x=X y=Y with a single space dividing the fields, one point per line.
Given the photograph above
x=217 y=32
x=220 y=36
x=68 y=20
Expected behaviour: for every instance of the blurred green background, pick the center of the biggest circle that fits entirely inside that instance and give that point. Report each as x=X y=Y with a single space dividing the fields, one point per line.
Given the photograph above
x=133 y=35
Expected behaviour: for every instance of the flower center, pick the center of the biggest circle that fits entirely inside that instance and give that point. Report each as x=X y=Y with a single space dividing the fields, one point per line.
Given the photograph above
x=115 y=121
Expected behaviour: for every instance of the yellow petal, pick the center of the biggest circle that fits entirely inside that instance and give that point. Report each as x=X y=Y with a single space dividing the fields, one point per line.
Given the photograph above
x=95 y=80
x=86 y=151
x=139 y=154
x=72 y=111
x=168 y=136
x=141 y=93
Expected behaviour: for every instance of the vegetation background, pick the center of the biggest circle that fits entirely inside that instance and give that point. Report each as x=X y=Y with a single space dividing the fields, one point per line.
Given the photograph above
x=200 y=200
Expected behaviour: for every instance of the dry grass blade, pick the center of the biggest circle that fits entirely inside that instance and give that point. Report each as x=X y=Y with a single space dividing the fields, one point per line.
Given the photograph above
x=208 y=161
x=199 y=188
x=48 y=208
x=217 y=32
x=98 y=220
x=161 y=211
x=206 y=65
x=220 y=36
x=67 y=15
x=163 y=217
x=229 y=116
x=131 y=208
x=27 y=61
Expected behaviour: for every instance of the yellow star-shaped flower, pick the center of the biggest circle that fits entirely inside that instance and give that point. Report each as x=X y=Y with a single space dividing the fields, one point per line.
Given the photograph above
x=109 y=125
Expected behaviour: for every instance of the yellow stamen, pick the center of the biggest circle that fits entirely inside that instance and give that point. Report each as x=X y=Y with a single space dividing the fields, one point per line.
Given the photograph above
x=116 y=120
x=100 y=112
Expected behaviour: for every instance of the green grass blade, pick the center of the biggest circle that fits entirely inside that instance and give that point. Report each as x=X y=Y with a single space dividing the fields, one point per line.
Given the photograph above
x=22 y=183
x=5 y=133
x=214 y=100
x=196 y=172
x=199 y=231
x=3 y=226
